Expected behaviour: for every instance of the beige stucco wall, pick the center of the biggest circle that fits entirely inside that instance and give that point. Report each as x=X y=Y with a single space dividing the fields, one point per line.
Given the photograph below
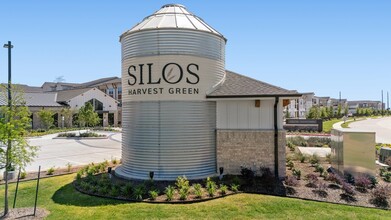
x=249 y=148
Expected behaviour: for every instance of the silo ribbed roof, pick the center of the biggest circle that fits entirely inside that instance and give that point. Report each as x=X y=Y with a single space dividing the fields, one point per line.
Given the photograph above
x=173 y=16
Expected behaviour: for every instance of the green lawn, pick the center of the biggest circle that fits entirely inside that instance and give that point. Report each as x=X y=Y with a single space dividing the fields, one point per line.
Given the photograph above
x=328 y=125
x=59 y=197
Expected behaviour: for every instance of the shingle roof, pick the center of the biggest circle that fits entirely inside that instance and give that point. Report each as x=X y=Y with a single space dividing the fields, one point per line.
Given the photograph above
x=97 y=82
x=236 y=85
x=36 y=100
x=41 y=99
x=25 y=88
x=66 y=95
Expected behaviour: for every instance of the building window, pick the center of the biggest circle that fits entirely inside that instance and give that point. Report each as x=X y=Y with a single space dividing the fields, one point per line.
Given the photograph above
x=98 y=105
x=111 y=92
x=119 y=93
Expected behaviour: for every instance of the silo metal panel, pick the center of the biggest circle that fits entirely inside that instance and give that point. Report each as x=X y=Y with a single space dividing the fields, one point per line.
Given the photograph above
x=173 y=42
x=170 y=138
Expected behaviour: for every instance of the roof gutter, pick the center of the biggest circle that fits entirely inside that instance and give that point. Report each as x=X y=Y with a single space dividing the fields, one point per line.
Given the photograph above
x=254 y=96
x=276 y=101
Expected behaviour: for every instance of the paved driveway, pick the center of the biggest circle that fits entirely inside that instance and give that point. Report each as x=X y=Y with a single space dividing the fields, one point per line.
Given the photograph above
x=382 y=127
x=59 y=152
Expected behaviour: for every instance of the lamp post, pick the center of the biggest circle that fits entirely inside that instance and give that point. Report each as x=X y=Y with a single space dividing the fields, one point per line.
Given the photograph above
x=9 y=46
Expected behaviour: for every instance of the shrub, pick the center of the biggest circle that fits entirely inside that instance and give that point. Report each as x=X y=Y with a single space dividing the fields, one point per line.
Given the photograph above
x=319 y=168
x=66 y=135
x=69 y=167
x=182 y=184
x=139 y=192
x=290 y=165
x=210 y=187
x=23 y=175
x=328 y=158
x=50 y=171
x=373 y=180
x=153 y=194
x=169 y=191
x=379 y=196
x=314 y=159
x=297 y=141
x=247 y=173
x=104 y=190
x=115 y=190
x=325 y=174
x=223 y=189
x=288 y=158
x=291 y=181
x=114 y=161
x=90 y=134
x=318 y=141
x=388 y=161
x=290 y=145
x=349 y=178
x=183 y=193
x=362 y=183
x=321 y=187
x=312 y=180
x=297 y=173
x=128 y=189
x=300 y=157
x=382 y=171
x=79 y=175
x=348 y=189
x=85 y=186
x=236 y=180
x=197 y=190
x=387 y=176
x=335 y=178
x=235 y=188
x=266 y=175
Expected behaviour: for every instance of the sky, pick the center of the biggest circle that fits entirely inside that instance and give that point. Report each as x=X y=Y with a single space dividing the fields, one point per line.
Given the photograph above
x=325 y=47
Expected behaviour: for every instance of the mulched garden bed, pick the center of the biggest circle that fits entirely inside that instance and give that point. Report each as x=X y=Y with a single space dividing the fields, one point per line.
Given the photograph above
x=332 y=192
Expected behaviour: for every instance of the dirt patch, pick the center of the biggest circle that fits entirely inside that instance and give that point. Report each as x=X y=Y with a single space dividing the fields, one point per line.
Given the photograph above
x=26 y=213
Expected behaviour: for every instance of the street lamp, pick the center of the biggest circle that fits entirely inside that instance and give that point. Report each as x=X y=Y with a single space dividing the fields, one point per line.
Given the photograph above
x=9 y=46
x=8 y=151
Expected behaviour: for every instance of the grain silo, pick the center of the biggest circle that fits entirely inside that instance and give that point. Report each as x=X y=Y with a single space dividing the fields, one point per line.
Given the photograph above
x=170 y=61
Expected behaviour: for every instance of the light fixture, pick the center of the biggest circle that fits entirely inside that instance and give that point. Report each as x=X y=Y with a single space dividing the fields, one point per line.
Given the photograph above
x=151 y=174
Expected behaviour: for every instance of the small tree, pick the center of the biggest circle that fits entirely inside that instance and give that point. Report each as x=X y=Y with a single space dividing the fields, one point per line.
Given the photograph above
x=339 y=111
x=314 y=113
x=14 y=120
x=87 y=116
x=346 y=110
x=324 y=113
x=67 y=113
x=46 y=117
x=287 y=114
x=331 y=112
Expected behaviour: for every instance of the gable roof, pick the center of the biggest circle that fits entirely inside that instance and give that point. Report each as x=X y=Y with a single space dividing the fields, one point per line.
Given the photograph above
x=97 y=82
x=41 y=99
x=25 y=88
x=36 y=100
x=239 y=86
x=66 y=95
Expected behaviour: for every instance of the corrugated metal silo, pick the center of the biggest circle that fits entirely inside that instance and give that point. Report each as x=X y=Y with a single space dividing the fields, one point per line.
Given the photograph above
x=170 y=61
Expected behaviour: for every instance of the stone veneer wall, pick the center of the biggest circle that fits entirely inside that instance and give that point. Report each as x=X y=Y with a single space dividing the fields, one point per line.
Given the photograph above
x=249 y=148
